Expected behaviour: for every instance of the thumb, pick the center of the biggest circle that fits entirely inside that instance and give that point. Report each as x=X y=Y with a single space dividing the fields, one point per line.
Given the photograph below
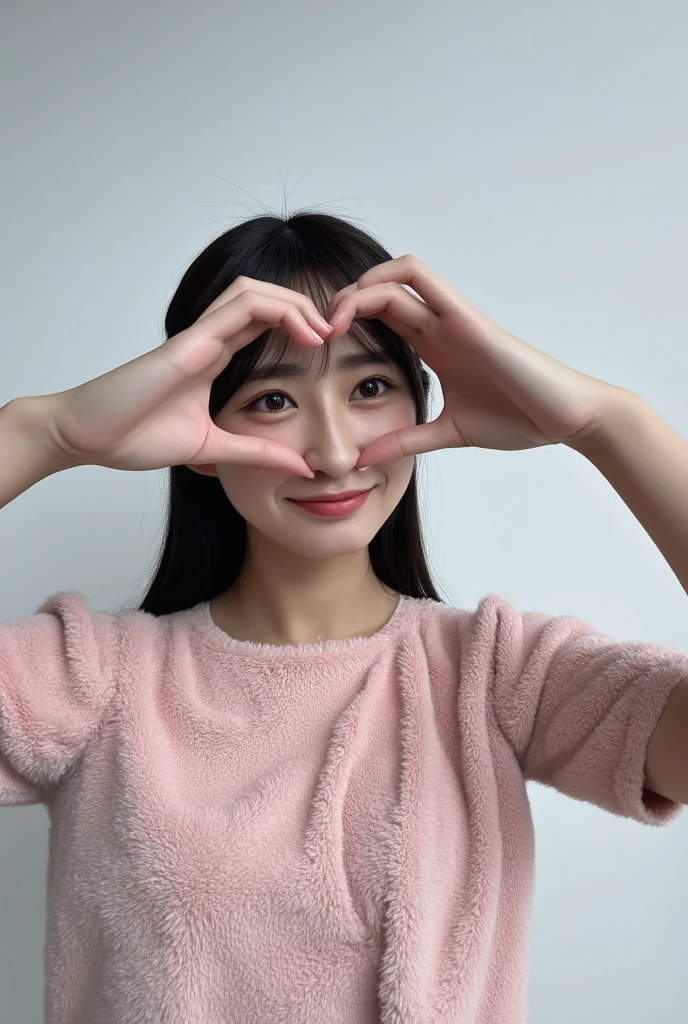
x=246 y=450
x=397 y=444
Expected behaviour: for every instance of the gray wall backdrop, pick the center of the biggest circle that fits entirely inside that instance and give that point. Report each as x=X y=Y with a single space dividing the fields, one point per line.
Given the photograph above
x=535 y=155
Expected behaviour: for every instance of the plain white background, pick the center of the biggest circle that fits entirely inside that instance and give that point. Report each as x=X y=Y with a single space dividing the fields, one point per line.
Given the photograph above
x=535 y=155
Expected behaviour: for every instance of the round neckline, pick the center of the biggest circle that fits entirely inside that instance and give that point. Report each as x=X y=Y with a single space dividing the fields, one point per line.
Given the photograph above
x=325 y=646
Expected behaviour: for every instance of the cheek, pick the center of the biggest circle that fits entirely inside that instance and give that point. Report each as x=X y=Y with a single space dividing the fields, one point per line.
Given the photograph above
x=250 y=489
x=288 y=431
x=393 y=417
x=397 y=476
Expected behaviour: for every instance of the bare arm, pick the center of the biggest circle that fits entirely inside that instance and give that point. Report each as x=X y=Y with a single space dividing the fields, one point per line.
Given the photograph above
x=27 y=452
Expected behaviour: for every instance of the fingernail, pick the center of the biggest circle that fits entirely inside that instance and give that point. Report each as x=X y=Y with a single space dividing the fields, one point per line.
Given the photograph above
x=317 y=336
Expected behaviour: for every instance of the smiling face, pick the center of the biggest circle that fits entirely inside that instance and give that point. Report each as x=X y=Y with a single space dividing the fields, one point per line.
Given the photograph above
x=329 y=417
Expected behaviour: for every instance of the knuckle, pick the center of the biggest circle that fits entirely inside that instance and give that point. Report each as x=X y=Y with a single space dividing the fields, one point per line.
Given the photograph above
x=249 y=297
x=290 y=310
x=391 y=288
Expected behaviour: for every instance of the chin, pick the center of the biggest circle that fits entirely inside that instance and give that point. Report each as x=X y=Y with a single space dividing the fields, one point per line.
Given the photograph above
x=347 y=543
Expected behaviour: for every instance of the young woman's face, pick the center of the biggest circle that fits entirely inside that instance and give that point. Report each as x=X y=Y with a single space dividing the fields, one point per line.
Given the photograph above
x=329 y=420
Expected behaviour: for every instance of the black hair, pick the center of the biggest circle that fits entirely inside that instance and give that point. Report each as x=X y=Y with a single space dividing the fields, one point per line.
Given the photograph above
x=205 y=540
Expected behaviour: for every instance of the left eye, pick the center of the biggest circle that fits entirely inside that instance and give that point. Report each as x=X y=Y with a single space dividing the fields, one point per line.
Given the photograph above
x=374 y=381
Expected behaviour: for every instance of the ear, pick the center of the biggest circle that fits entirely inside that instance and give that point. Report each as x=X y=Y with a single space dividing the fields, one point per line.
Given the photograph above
x=208 y=470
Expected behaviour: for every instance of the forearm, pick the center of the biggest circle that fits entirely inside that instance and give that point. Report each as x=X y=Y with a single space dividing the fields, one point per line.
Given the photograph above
x=646 y=462
x=26 y=453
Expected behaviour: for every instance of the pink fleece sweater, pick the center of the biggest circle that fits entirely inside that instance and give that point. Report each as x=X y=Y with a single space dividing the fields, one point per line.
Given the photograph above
x=330 y=833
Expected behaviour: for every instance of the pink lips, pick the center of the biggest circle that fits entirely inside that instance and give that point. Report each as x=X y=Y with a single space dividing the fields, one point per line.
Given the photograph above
x=338 y=507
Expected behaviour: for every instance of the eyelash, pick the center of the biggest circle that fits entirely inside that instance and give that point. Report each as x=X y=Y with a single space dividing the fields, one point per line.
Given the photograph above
x=271 y=412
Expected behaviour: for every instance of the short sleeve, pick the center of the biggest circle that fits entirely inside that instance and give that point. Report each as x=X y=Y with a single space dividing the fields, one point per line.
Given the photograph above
x=57 y=683
x=579 y=708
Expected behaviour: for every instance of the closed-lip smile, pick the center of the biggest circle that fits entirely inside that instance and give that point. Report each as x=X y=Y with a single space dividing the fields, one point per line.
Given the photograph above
x=342 y=496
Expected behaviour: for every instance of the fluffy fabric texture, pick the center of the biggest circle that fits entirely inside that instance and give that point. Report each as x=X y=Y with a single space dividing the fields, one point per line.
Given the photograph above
x=334 y=832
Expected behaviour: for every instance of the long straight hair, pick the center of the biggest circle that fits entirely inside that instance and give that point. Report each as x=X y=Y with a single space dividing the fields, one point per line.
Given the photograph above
x=205 y=543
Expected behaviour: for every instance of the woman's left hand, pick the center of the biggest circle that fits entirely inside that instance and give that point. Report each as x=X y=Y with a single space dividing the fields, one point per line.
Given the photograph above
x=499 y=392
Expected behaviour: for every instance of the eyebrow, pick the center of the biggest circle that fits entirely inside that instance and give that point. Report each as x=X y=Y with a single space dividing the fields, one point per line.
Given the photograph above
x=350 y=361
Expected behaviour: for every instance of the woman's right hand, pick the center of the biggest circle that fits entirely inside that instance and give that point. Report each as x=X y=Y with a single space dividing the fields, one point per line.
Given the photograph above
x=152 y=412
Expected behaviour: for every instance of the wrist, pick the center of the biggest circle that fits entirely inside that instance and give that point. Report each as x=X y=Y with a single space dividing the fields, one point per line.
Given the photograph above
x=618 y=411
x=33 y=421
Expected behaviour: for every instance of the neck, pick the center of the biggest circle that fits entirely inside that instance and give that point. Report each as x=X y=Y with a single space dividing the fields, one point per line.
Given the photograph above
x=282 y=598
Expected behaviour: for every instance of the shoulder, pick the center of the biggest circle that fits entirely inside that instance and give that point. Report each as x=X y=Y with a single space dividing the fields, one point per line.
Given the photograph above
x=65 y=628
x=63 y=624
x=490 y=613
x=461 y=636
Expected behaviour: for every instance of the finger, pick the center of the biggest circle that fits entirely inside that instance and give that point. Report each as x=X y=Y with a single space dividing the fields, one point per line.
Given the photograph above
x=246 y=450
x=399 y=327
x=304 y=302
x=248 y=315
x=409 y=270
x=204 y=350
x=376 y=299
x=397 y=444
x=334 y=301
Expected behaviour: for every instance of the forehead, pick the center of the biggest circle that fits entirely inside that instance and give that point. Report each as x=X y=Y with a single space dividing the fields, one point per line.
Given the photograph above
x=284 y=358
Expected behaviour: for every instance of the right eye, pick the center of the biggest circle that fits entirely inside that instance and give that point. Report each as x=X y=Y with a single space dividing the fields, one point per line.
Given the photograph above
x=253 y=406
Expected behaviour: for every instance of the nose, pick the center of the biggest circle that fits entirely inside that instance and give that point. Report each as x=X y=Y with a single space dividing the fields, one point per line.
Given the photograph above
x=334 y=443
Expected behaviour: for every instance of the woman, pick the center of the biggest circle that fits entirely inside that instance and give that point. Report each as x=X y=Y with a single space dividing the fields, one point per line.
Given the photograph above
x=290 y=784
